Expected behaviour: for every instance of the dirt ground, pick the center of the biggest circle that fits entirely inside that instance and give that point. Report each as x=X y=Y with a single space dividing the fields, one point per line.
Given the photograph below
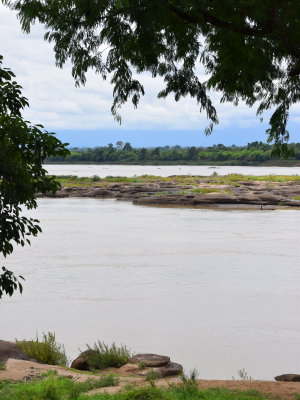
x=21 y=370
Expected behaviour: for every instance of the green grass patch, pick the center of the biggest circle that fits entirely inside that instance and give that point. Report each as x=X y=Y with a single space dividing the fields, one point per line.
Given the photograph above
x=46 y=350
x=205 y=190
x=61 y=388
x=101 y=356
x=232 y=179
x=54 y=388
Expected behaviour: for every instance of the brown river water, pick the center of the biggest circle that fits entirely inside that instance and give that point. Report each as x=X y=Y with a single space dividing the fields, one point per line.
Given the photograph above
x=217 y=290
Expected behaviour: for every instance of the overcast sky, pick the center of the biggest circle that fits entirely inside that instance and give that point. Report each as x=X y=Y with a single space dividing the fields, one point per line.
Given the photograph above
x=59 y=106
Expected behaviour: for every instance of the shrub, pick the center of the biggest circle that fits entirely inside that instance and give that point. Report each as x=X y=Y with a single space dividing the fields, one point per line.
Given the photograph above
x=102 y=356
x=95 y=178
x=46 y=351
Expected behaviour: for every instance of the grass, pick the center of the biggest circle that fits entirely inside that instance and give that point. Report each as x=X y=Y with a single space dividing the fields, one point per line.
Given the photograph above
x=2 y=366
x=61 y=388
x=233 y=179
x=46 y=351
x=53 y=388
x=151 y=376
x=102 y=356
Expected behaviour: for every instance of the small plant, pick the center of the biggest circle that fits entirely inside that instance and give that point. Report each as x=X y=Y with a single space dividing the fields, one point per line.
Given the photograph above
x=142 y=365
x=190 y=380
x=151 y=377
x=2 y=366
x=243 y=375
x=102 y=356
x=46 y=351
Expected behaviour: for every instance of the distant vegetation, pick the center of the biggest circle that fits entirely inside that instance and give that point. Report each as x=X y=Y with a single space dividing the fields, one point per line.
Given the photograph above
x=215 y=179
x=124 y=153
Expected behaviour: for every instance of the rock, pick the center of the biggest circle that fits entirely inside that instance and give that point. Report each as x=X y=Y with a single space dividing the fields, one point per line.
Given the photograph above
x=102 y=193
x=145 y=371
x=150 y=360
x=81 y=362
x=171 y=369
x=288 y=378
x=129 y=369
x=214 y=198
x=11 y=350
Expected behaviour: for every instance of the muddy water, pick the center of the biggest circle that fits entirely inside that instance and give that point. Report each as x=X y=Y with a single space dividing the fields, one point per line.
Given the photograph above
x=166 y=170
x=214 y=289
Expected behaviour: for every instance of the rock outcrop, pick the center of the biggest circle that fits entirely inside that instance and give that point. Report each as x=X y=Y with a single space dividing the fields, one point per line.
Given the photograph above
x=11 y=350
x=81 y=362
x=150 y=360
x=200 y=193
x=288 y=378
x=141 y=364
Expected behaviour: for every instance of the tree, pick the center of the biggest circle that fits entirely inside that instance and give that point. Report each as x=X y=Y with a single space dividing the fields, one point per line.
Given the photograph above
x=249 y=49
x=23 y=148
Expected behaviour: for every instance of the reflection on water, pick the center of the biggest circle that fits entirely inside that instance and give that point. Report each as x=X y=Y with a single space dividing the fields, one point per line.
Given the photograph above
x=216 y=290
x=164 y=170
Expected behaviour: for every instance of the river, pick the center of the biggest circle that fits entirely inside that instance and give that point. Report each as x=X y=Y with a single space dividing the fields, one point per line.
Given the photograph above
x=164 y=170
x=217 y=290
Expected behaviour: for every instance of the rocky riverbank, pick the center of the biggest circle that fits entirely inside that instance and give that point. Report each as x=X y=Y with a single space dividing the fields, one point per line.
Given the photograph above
x=17 y=367
x=189 y=191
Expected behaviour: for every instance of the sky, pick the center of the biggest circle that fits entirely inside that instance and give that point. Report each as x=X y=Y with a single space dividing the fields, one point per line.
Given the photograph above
x=82 y=117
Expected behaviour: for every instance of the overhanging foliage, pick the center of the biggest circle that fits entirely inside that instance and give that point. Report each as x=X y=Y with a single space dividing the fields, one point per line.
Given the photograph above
x=249 y=49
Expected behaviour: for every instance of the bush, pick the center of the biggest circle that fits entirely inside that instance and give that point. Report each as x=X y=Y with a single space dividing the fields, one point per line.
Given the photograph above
x=102 y=356
x=46 y=351
x=95 y=178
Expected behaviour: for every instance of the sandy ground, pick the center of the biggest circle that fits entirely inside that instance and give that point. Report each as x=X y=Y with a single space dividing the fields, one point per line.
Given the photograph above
x=21 y=370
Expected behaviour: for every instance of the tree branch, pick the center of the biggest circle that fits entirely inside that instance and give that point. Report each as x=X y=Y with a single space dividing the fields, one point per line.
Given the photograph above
x=219 y=23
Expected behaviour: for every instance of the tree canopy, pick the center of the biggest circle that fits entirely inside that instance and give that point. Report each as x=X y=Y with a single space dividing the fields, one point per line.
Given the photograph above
x=23 y=148
x=249 y=49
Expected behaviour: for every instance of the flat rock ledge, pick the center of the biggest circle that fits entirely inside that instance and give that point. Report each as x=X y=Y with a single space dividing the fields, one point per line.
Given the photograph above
x=203 y=192
x=150 y=360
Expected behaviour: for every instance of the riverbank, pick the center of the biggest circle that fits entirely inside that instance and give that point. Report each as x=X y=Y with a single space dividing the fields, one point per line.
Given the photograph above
x=273 y=191
x=28 y=371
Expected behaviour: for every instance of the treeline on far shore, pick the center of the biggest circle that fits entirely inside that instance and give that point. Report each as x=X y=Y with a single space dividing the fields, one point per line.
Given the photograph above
x=123 y=153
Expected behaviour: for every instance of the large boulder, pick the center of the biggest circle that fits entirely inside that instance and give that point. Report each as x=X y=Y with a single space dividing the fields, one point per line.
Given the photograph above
x=81 y=362
x=288 y=378
x=11 y=350
x=171 y=369
x=149 y=360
